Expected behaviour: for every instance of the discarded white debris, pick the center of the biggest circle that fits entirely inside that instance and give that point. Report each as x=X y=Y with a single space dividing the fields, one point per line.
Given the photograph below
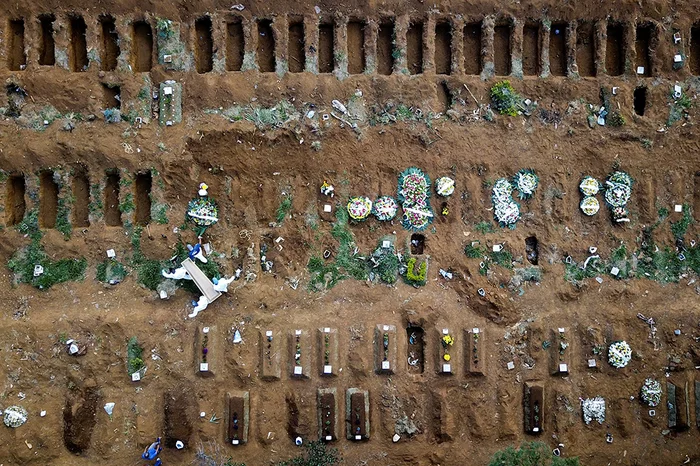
x=481 y=292
x=446 y=275
x=327 y=208
x=614 y=90
x=317 y=10
x=592 y=249
x=73 y=348
x=339 y=106
x=497 y=247
x=179 y=445
x=676 y=37
x=677 y=91
x=237 y=336
x=238 y=7
x=591 y=363
x=207 y=248
x=677 y=332
x=593 y=409
x=510 y=365
x=42 y=413
x=599 y=279
x=109 y=408
x=202 y=414
x=396 y=438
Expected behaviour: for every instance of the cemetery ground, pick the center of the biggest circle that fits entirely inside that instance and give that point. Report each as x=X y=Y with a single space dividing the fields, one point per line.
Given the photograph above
x=329 y=349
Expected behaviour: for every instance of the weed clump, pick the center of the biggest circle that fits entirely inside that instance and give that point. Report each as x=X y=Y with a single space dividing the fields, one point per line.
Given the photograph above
x=504 y=98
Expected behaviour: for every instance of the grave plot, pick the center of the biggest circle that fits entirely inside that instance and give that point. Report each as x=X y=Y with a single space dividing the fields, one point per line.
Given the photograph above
x=415 y=349
x=328 y=414
x=110 y=44
x=328 y=351
x=170 y=103
x=357 y=414
x=204 y=50
x=475 y=352
x=615 y=50
x=179 y=408
x=695 y=50
x=143 y=183
x=266 y=46
x=502 y=49
x=113 y=216
x=531 y=49
x=557 y=49
x=447 y=352
x=15 y=205
x=141 y=47
x=78 y=57
x=560 y=361
x=472 y=48
x=79 y=418
x=533 y=407
x=356 y=47
x=295 y=45
x=16 y=57
x=441 y=419
x=697 y=403
x=414 y=47
x=300 y=354
x=205 y=353
x=235 y=45
x=326 y=44
x=47 y=43
x=594 y=349
x=642 y=46
x=269 y=356
x=585 y=48
x=443 y=47
x=385 y=48
x=385 y=345
x=80 y=209
x=237 y=414
x=678 y=406
x=640 y=100
x=48 y=200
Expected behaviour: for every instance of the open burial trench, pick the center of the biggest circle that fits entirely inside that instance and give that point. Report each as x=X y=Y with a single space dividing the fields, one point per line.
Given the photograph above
x=179 y=410
x=79 y=417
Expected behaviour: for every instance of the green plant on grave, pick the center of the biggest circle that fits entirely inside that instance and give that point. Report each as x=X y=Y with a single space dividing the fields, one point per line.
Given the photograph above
x=134 y=354
x=111 y=269
x=504 y=98
x=530 y=454
x=413 y=277
x=616 y=119
x=317 y=453
x=680 y=227
x=484 y=227
x=473 y=252
x=283 y=210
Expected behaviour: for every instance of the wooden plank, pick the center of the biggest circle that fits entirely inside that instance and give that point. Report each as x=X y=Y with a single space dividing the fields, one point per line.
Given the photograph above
x=202 y=281
x=357 y=414
x=237 y=417
x=328 y=351
x=327 y=414
x=533 y=408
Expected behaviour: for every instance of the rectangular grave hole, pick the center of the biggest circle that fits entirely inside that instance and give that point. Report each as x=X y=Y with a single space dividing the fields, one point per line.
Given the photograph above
x=472 y=48
x=585 y=48
x=327 y=415
x=642 y=45
x=557 y=49
x=234 y=45
x=110 y=43
x=143 y=185
x=443 y=47
x=444 y=96
x=325 y=48
x=78 y=44
x=142 y=47
x=640 y=100
x=266 y=46
x=615 y=50
x=414 y=47
x=16 y=58
x=416 y=343
x=502 y=50
x=695 y=50
x=204 y=51
x=417 y=243
x=113 y=216
x=111 y=95
x=385 y=48
x=531 y=50
x=295 y=47
x=15 y=205
x=47 y=44
x=358 y=416
x=356 y=47
x=236 y=421
x=81 y=199
x=532 y=249
x=696 y=201
x=48 y=200
x=292 y=416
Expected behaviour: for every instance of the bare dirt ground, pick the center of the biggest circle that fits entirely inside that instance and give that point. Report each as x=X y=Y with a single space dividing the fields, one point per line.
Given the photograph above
x=112 y=177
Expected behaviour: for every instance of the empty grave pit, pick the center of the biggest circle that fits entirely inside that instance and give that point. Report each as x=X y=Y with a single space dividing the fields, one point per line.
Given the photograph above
x=443 y=47
x=385 y=345
x=585 y=48
x=695 y=50
x=678 y=406
x=204 y=50
x=385 y=47
x=414 y=47
x=502 y=49
x=447 y=353
x=615 y=49
x=417 y=243
x=80 y=210
x=179 y=409
x=47 y=43
x=237 y=414
x=472 y=48
x=15 y=204
x=79 y=418
x=16 y=56
x=327 y=399
x=110 y=43
x=557 y=49
x=234 y=45
x=642 y=45
x=356 y=47
x=299 y=354
x=269 y=355
x=560 y=349
x=531 y=49
x=697 y=403
x=640 y=100
x=78 y=56
x=48 y=200
x=328 y=349
x=533 y=407
x=111 y=95
x=415 y=349
x=295 y=46
x=142 y=47
x=326 y=44
x=696 y=195
x=143 y=183
x=475 y=352
x=266 y=46
x=111 y=200
x=206 y=352
x=357 y=414
x=532 y=250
